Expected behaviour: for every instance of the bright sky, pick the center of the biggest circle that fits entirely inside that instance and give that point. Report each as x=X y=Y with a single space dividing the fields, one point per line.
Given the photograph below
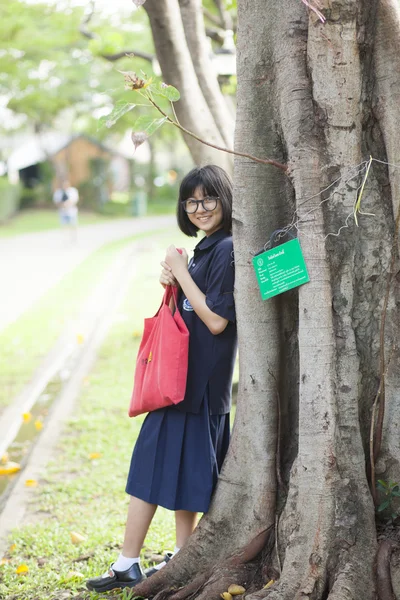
x=106 y=6
x=110 y=6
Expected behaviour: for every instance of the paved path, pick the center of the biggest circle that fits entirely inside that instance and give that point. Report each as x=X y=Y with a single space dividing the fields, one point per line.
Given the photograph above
x=30 y=264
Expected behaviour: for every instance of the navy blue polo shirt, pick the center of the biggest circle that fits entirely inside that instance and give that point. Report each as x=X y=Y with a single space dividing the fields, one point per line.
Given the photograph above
x=211 y=357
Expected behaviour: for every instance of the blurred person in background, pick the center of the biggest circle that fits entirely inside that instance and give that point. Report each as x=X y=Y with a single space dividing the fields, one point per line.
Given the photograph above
x=66 y=199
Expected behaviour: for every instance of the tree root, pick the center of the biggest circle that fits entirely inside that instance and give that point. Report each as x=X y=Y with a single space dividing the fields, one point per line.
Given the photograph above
x=220 y=581
x=184 y=592
x=383 y=577
x=210 y=588
x=171 y=581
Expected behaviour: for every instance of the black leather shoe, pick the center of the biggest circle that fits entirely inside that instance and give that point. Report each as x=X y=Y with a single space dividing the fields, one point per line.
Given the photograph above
x=151 y=570
x=117 y=579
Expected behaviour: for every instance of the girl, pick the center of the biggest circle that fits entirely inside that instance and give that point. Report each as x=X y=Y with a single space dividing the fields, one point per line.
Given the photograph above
x=180 y=449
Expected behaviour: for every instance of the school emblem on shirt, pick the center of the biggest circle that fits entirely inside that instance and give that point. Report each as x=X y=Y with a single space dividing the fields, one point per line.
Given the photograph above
x=187 y=305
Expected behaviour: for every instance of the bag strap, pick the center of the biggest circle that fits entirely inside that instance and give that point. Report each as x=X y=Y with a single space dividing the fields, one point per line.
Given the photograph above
x=171 y=291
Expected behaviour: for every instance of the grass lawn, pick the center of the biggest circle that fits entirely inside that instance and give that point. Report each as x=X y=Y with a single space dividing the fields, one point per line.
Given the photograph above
x=83 y=489
x=24 y=343
x=32 y=220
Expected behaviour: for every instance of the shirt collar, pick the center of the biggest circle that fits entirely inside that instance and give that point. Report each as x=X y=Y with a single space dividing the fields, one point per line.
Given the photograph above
x=208 y=242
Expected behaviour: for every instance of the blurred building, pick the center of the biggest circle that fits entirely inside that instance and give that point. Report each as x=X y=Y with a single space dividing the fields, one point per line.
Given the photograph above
x=78 y=158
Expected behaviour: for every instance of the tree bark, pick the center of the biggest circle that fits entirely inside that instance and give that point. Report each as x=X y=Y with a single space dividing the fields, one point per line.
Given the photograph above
x=192 y=19
x=323 y=98
x=328 y=522
x=387 y=112
x=177 y=68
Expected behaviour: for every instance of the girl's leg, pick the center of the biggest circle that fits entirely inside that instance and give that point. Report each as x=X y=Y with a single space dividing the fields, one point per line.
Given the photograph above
x=140 y=515
x=126 y=571
x=185 y=523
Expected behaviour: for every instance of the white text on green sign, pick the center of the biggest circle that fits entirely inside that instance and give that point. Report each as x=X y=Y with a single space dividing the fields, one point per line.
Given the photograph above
x=280 y=269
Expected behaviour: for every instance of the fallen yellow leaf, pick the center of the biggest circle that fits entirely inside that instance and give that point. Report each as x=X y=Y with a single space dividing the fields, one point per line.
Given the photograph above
x=76 y=538
x=38 y=424
x=270 y=582
x=4 y=458
x=226 y=596
x=137 y=334
x=31 y=482
x=4 y=561
x=236 y=590
x=12 y=548
x=94 y=455
x=26 y=417
x=22 y=570
x=79 y=338
x=9 y=468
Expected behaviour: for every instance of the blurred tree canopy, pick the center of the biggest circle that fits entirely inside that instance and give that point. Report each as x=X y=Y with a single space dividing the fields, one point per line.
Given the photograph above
x=48 y=64
x=60 y=64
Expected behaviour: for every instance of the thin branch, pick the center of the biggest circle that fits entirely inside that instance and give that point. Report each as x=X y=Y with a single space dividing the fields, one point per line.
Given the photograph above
x=375 y=437
x=226 y=18
x=83 y=29
x=371 y=445
x=215 y=34
x=281 y=484
x=264 y=161
x=315 y=8
x=130 y=53
x=277 y=543
x=175 y=115
x=383 y=577
x=85 y=21
x=212 y=18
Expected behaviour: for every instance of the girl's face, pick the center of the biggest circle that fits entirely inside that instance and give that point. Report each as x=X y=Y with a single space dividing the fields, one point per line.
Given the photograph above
x=208 y=221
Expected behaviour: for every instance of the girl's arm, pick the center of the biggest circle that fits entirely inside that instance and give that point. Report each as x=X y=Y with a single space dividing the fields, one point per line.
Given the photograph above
x=178 y=265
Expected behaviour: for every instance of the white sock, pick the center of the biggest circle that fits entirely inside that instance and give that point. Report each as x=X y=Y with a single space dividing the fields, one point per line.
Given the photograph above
x=176 y=549
x=123 y=563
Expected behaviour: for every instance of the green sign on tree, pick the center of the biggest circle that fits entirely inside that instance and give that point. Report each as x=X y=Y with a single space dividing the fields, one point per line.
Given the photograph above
x=280 y=269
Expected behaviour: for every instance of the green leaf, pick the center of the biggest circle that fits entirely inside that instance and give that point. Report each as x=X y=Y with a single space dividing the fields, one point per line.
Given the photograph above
x=166 y=91
x=119 y=110
x=148 y=124
x=384 y=505
x=144 y=127
x=171 y=93
x=382 y=484
x=396 y=493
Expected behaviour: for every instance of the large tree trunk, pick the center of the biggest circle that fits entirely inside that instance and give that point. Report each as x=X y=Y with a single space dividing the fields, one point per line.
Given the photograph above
x=178 y=70
x=192 y=19
x=296 y=482
x=387 y=119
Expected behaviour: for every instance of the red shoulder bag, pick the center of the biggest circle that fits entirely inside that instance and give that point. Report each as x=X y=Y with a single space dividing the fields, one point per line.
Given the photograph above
x=162 y=361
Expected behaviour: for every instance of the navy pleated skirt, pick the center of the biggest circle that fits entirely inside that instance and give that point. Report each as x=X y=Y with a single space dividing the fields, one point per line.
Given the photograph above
x=177 y=458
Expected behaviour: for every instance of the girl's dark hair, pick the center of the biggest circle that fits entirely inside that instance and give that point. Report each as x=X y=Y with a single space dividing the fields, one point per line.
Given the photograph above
x=213 y=181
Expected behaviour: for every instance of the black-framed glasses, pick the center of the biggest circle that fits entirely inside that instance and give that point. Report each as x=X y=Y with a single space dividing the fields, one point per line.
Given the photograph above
x=208 y=203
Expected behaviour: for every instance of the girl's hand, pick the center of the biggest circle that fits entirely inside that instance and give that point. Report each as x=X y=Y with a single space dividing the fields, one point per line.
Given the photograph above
x=166 y=277
x=176 y=260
